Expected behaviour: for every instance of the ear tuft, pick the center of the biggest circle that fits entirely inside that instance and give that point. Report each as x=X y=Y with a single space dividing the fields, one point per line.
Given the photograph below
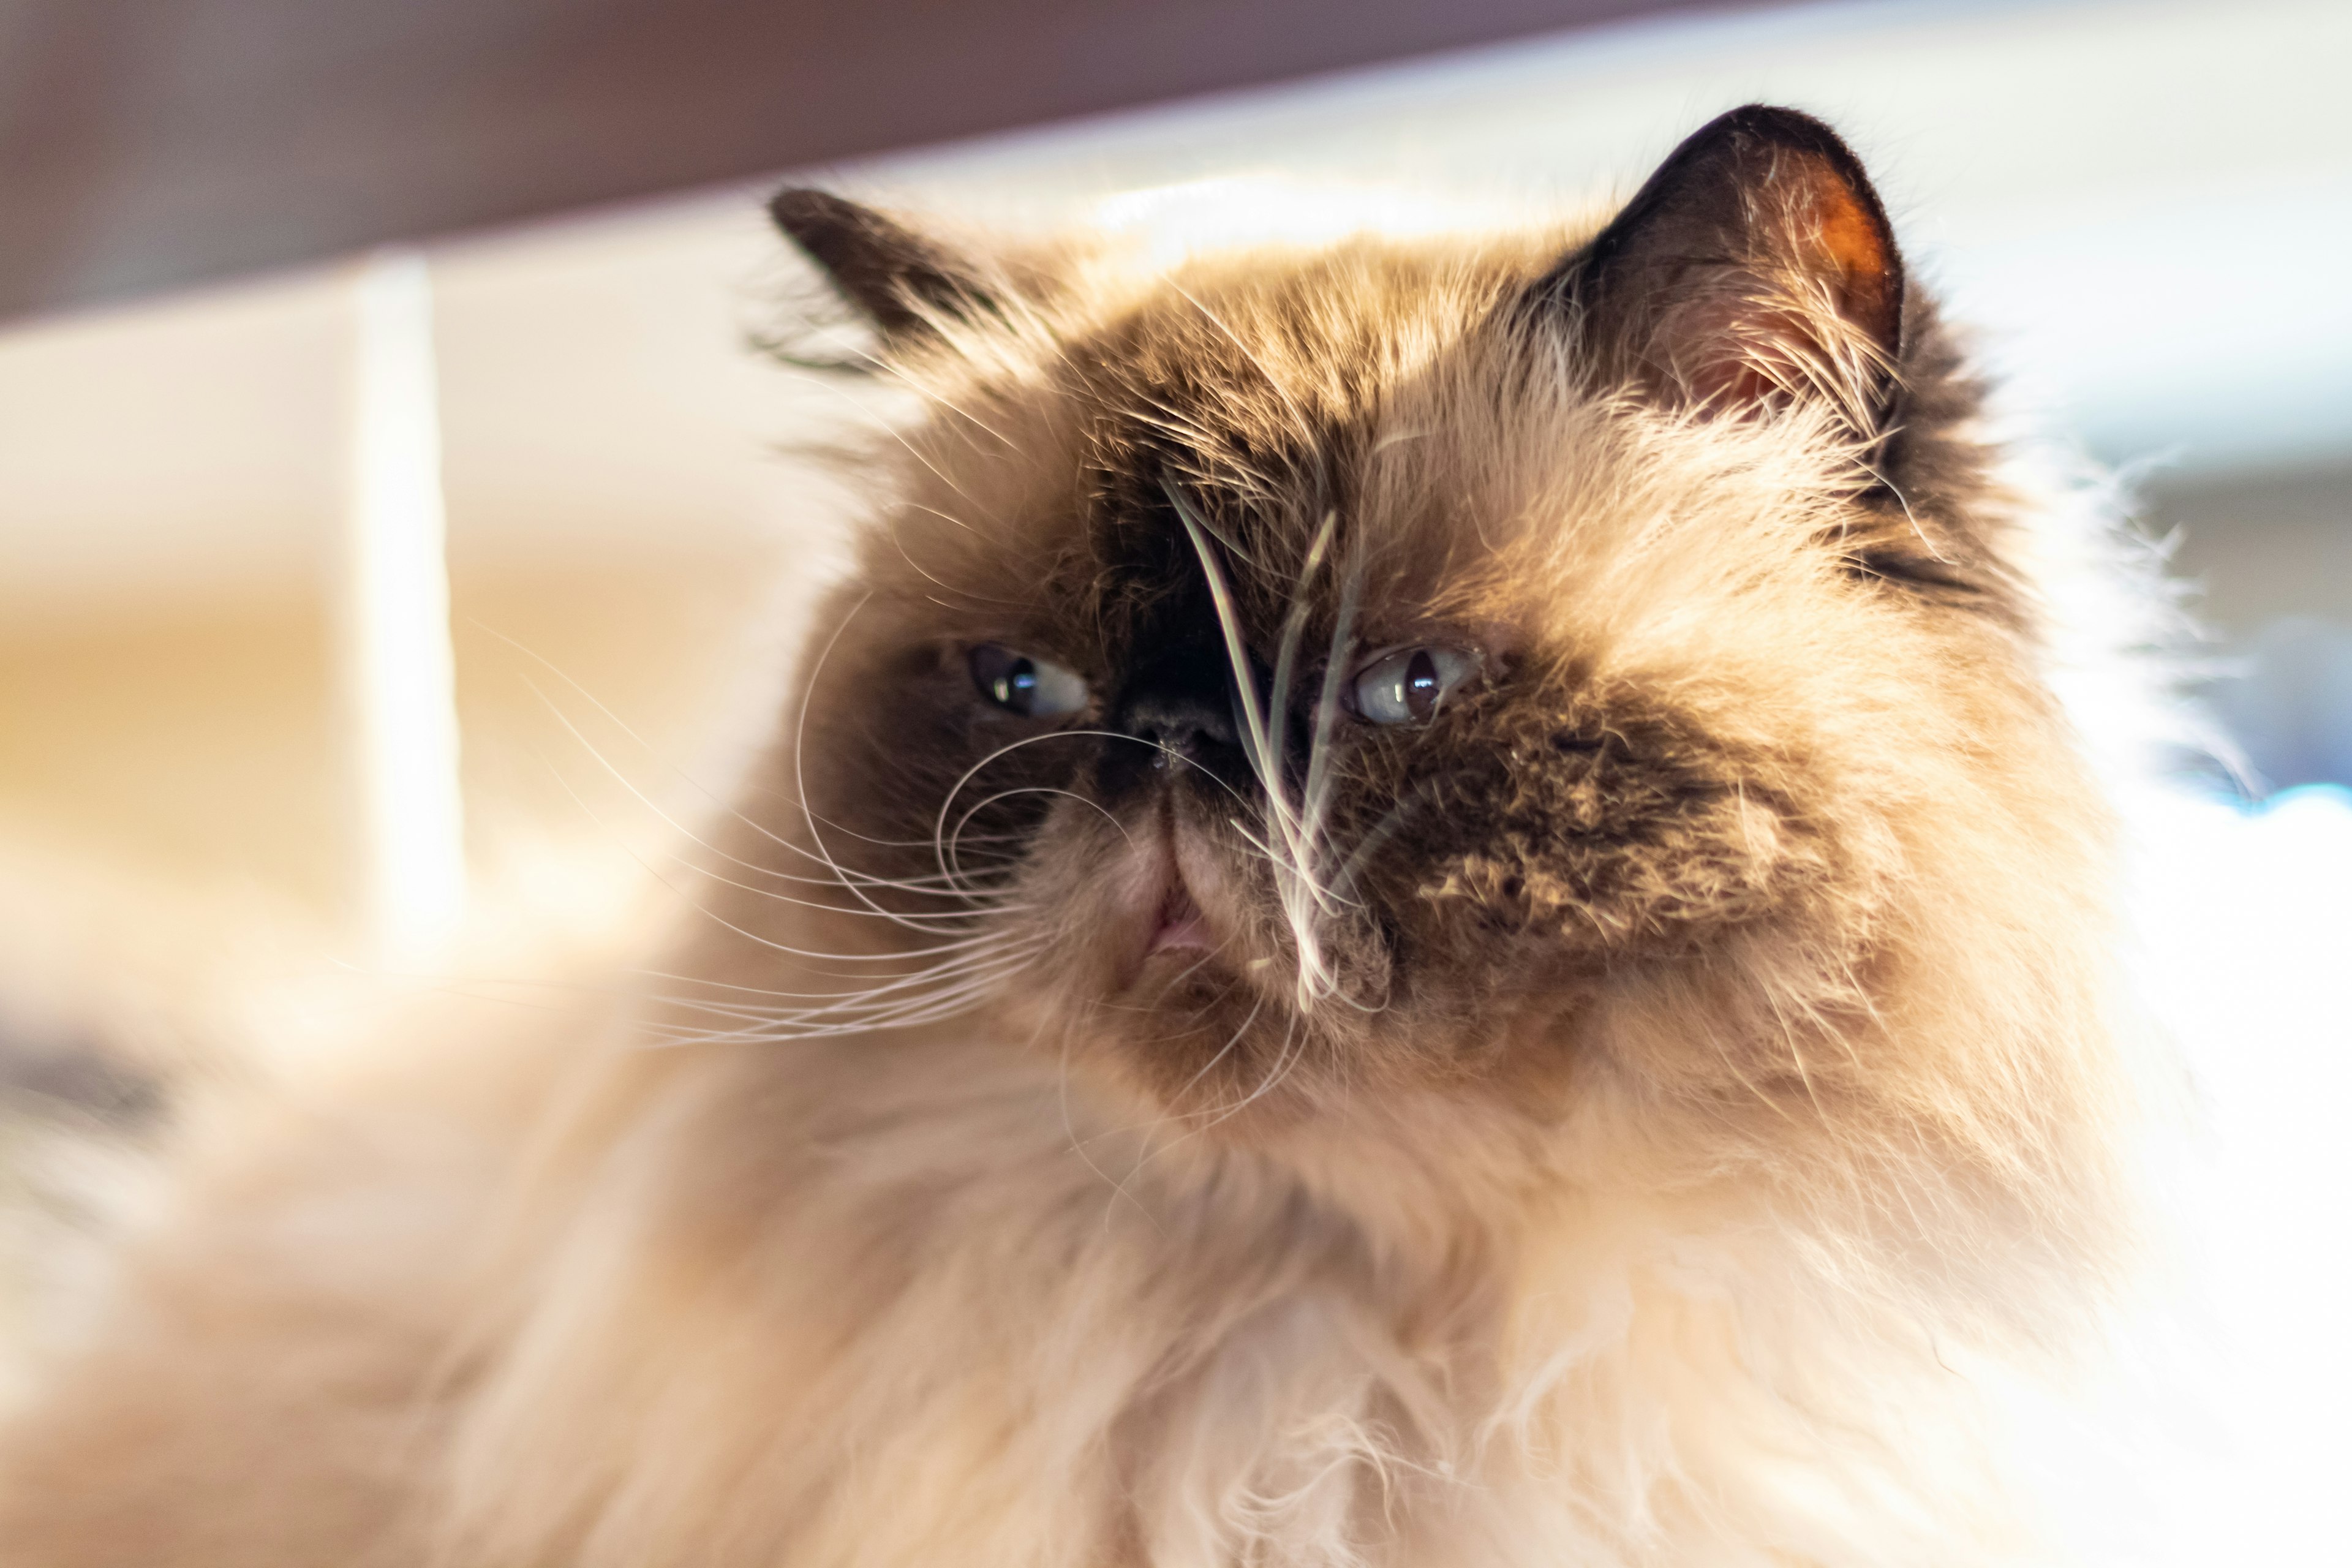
x=1756 y=267
x=902 y=281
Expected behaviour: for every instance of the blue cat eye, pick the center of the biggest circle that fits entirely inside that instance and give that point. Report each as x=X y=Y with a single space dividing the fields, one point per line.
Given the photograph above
x=1404 y=686
x=1024 y=684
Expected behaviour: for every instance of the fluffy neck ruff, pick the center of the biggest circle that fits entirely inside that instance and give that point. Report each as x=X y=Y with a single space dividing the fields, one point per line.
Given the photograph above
x=924 y=1300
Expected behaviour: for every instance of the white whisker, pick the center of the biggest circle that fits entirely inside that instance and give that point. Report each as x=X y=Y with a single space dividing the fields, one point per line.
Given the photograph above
x=909 y=885
x=941 y=838
x=1289 y=845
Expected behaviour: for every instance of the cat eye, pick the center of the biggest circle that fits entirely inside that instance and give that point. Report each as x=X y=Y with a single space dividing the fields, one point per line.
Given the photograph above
x=1024 y=684
x=1406 y=685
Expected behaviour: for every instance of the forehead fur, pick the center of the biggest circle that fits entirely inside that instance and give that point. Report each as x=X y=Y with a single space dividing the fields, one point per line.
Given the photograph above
x=1469 y=468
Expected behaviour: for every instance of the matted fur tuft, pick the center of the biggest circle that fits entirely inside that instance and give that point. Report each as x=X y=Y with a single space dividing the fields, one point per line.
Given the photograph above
x=1642 y=1105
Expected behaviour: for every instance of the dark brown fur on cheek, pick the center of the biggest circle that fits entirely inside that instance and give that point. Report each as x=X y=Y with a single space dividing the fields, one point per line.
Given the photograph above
x=1582 y=819
x=906 y=774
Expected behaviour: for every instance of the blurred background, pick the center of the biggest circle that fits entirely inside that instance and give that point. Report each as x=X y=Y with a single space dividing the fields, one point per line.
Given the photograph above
x=400 y=536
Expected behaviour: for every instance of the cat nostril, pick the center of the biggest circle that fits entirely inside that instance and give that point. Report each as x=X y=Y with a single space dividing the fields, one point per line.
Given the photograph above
x=1185 y=724
x=1186 y=739
x=1180 y=702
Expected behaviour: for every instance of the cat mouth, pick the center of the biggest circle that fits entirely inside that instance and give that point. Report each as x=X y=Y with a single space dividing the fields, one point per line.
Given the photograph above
x=1174 y=889
x=1180 y=927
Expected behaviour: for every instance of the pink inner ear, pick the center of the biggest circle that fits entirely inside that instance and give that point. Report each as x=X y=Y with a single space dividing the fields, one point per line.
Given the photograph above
x=1851 y=247
x=1740 y=355
x=1738 y=351
x=1816 y=301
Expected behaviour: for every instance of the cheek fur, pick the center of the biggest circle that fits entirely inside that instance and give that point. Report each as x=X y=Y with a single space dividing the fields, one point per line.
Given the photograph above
x=1598 y=830
x=908 y=764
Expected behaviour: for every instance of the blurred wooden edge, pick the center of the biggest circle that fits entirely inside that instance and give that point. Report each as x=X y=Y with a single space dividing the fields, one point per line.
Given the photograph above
x=149 y=144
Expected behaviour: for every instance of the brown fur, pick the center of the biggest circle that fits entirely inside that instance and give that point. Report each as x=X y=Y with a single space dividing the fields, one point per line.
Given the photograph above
x=1618 y=1121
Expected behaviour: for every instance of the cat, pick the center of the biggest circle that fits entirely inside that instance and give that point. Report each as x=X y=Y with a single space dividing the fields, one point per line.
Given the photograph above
x=1423 y=904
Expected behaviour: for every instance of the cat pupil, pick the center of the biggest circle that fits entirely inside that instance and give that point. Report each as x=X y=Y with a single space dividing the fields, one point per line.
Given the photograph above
x=1421 y=685
x=1032 y=688
x=1017 y=686
x=1408 y=685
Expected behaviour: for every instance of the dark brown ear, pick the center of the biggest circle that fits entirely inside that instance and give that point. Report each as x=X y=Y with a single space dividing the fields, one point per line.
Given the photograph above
x=902 y=281
x=1756 y=267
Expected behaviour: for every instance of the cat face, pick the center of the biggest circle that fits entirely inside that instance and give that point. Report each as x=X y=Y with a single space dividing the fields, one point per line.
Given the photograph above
x=1302 y=673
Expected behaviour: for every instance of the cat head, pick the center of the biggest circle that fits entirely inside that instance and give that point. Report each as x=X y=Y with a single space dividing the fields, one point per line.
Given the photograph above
x=1491 y=667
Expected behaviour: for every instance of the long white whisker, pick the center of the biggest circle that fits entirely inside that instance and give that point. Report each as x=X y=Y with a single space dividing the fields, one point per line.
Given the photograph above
x=1293 y=884
x=596 y=755
x=889 y=427
x=917 y=997
x=955 y=839
x=601 y=761
x=940 y=835
x=1326 y=702
x=800 y=779
x=875 y=1015
x=564 y=784
x=946 y=924
x=1294 y=627
x=1217 y=1116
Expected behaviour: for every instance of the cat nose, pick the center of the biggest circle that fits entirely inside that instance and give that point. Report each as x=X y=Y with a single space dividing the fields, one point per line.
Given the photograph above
x=1185 y=721
x=1181 y=700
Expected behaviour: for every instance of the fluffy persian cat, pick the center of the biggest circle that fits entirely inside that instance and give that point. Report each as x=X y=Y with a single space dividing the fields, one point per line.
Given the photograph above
x=1425 y=905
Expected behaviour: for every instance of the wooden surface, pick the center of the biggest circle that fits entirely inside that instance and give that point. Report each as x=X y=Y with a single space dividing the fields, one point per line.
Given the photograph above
x=149 y=143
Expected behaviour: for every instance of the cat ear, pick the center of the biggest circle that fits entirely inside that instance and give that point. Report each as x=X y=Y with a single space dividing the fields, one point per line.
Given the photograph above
x=903 y=282
x=1755 y=268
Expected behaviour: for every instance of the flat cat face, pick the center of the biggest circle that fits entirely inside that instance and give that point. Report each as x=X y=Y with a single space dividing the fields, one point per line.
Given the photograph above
x=1304 y=673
